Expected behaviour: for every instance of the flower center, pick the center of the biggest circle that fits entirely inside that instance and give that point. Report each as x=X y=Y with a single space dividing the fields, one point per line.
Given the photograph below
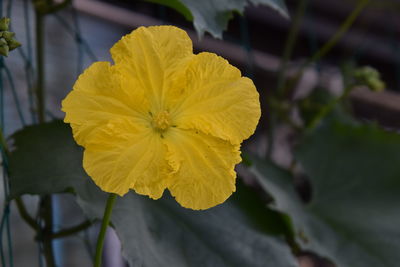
x=161 y=121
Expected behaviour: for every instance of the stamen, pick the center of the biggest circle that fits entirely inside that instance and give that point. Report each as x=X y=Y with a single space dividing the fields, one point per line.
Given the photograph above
x=161 y=121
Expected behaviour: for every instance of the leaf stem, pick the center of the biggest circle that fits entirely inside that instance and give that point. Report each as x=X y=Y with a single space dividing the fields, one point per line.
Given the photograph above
x=361 y=4
x=46 y=213
x=289 y=45
x=25 y=215
x=328 y=108
x=40 y=102
x=106 y=220
x=3 y=143
x=73 y=230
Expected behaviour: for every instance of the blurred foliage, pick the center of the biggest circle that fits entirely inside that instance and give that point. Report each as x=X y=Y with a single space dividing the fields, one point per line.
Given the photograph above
x=177 y=5
x=317 y=101
x=313 y=104
x=213 y=15
x=369 y=77
x=352 y=217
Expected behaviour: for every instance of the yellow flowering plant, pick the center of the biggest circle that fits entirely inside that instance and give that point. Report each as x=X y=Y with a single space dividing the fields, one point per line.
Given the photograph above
x=162 y=117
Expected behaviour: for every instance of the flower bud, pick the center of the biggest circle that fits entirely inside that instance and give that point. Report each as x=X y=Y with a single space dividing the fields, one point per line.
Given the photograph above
x=12 y=44
x=3 y=42
x=4 y=23
x=369 y=77
x=4 y=50
x=8 y=35
x=7 y=41
x=376 y=85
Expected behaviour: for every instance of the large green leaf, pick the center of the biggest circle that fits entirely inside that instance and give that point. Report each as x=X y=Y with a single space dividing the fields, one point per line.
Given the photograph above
x=44 y=160
x=153 y=233
x=213 y=15
x=354 y=215
x=162 y=233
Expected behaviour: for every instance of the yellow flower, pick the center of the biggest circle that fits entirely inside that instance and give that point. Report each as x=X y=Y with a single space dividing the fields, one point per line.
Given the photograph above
x=162 y=117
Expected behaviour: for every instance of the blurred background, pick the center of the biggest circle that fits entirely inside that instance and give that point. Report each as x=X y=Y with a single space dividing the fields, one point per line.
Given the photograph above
x=254 y=41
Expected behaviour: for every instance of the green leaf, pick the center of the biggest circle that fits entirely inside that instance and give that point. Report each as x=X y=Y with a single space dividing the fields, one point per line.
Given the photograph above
x=44 y=160
x=278 y=5
x=265 y=219
x=175 y=4
x=213 y=15
x=162 y=233
x=354 y=213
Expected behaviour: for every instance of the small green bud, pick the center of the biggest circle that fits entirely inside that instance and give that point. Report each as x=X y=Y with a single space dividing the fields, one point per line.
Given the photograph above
x=8 y=35
x=376 y=85
x=12 y=44
x=4 y=23
x=7 y=41
x=365 y=72
x=4 y=50
x=369 y=77
x=3 y=42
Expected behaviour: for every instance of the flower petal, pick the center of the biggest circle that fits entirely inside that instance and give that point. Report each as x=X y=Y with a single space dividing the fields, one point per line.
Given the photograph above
x=217 y=100
x=206 y=175
x=100 y=94
x=121 y=156
x=152 y=56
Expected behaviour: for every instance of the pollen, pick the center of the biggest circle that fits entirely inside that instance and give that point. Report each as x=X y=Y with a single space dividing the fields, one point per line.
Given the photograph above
x=161 y=121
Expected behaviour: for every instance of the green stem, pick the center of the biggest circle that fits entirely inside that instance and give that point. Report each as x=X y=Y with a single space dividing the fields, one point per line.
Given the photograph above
x=40 y=83
x=46 y=201
x=283 y=87
x=3 y=142
x=46 y=213
x=48 y=252
x=327 y=47
x=72 y=230
x=290 y=43
x=287 y=54
x=328 y=108
x=361 y=4
x=104 y=225
x=25 y=215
